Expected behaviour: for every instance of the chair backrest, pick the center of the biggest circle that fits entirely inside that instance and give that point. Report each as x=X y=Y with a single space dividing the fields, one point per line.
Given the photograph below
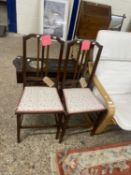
x=83 y=50
x=37 y=66
x=114 y=69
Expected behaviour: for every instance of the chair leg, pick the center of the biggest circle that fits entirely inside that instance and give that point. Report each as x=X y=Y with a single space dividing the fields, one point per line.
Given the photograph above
x=59 y=124
x=18 y=127
x=102 y=125
x=64 y=126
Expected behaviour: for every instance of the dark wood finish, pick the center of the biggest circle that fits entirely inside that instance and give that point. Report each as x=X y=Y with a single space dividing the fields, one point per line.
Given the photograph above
x=62 y=70
x=40 y=70
x=96 y=61
x=42 y=63
x=38 y=54
x=18 y=127
x=92 y=18
x=53 y=65
x=81 y=62
x=52 y=68
x=80 y=70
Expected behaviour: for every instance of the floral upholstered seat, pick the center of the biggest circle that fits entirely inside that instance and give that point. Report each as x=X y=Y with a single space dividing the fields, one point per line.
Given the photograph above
x=40 y=94
x=80 y=100
x=39 y=99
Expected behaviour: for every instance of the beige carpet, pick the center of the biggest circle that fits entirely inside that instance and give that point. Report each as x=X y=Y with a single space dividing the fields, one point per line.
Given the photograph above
x=32 y=155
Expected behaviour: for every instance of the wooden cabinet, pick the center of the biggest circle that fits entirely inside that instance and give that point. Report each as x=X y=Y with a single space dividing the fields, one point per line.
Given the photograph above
x=92 y=18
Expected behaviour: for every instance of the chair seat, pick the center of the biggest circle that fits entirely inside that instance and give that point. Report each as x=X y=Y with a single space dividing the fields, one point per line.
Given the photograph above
x=39 y=100
x=123 y=110
x=80 y=100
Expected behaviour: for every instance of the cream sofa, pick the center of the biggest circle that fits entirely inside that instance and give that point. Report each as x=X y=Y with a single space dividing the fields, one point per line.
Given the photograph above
x=113 y=79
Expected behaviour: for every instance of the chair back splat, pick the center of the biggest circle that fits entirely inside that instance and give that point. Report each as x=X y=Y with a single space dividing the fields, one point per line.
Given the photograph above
x=40 y=62
x=82 y=56
x=96 y=61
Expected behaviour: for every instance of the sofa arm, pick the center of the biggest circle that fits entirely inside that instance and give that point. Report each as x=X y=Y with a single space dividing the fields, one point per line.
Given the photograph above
x=108 y=101
x=108 y=117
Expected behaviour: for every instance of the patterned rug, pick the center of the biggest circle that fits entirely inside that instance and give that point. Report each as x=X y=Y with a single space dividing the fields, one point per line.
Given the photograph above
x=105 y=160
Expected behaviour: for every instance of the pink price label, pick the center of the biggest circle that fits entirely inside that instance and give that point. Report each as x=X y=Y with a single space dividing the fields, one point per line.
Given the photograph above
x=46 y=40
x=86 y=45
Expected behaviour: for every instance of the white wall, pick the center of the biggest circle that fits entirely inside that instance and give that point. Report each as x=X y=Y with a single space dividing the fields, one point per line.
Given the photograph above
x=119 y=7
x=28 y=13
x=28 y=16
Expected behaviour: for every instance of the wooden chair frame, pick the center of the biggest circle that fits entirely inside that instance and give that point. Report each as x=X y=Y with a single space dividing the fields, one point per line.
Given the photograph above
x=41 y=70
x=58 y=115
x=107 y=117
x=80 y=69
x=78 y=74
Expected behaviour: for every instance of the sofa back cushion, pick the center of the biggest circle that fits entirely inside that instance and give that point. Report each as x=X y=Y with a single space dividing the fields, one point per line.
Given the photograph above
x=114 y=69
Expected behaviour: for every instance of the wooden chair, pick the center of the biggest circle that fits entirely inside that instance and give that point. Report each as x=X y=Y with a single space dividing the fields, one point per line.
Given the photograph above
x=113 y=79
x=36 y=98
x=35 y=69
x=78 y=97
x=33 y=44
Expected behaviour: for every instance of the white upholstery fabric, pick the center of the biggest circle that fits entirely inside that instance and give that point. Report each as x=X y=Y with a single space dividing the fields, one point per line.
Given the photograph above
x=39 y=99
x=117 y=45
x=114 y=69
x=114 y=72
x=115 y=76
x=123 y=110
x=81 y=100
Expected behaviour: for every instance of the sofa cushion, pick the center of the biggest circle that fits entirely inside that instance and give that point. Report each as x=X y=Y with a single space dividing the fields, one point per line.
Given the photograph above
x=115 y=76
x=117 y=45
x=114 y=68
x=123 y=110
x=114 y=72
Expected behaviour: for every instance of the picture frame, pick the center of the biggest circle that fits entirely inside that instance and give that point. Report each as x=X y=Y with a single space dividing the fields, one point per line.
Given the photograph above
x=54 y=18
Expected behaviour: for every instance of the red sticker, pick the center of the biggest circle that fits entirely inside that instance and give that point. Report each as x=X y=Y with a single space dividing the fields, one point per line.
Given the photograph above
x=86 y=45
x=46 y=40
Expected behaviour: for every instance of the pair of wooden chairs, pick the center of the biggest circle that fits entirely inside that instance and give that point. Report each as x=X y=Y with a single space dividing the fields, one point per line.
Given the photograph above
x=68 y=93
